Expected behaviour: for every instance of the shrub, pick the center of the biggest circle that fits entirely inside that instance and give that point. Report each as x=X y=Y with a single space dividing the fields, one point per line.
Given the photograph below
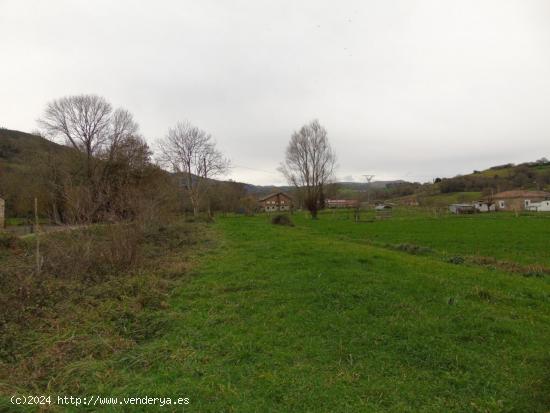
x=282 y=220
x=413 y=249
x=88 y=253
x=456 y=259
x=101 y=289
x=7 y=240
x=535 y=271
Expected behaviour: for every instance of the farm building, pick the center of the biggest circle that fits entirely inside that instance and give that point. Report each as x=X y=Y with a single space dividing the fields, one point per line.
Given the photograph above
x=518 y=200
x=462 y=208
x=342 y=203
x=278 y=201
x=2 y=213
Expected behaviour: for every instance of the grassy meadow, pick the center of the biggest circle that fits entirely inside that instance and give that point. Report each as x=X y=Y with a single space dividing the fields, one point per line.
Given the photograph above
x=520 y=239
x=330 y=315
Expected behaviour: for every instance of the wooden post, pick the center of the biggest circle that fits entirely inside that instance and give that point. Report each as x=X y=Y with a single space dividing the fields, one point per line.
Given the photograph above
x=36 y=234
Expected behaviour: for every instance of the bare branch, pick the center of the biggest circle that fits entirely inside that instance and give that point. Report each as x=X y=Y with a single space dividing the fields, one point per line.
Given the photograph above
x=190 y=151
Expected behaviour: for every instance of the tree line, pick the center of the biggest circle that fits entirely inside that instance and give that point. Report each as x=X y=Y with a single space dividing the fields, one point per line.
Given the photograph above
x=521 y=176
x=108 y=172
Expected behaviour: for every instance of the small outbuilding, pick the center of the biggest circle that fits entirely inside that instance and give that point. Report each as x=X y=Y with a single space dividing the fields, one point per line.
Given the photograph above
x=462 y=208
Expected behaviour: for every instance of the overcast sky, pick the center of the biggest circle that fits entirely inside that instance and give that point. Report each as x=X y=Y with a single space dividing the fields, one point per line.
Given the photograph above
x=406 y=89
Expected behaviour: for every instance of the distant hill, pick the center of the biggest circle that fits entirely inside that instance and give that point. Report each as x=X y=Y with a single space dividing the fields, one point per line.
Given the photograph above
x=19 y=147
x=19 y=155
x=363 y=186
x=527 y=175
x=481 y=183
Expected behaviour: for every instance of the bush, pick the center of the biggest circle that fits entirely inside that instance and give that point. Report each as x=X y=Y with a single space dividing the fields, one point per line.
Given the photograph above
x=456 y=259
x=413 y=249
x=8 y=241
x=101 y=290
x=89 y=253
x=282 y=220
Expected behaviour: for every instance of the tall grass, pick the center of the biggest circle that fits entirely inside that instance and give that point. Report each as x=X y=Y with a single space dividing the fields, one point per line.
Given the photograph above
x=101 y=290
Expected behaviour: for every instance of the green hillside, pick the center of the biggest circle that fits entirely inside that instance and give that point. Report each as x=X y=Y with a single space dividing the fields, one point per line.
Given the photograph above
x=478 y=184
x=21 y=156
x=18 y=148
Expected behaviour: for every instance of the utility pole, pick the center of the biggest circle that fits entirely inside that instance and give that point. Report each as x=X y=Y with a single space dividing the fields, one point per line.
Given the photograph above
x=368 y=179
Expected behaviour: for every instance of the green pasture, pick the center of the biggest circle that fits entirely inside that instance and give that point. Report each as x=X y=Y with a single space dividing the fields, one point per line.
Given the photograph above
x=523 y=238
x=325 y=317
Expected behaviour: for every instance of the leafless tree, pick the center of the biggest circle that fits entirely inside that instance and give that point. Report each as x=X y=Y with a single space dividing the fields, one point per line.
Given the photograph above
x=107 y=148
x=88 y=124
x=309 y=163
x=191 y=152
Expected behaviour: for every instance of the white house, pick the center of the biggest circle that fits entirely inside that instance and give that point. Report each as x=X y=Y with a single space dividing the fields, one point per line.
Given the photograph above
x=518 y=200
x=484 y=206
x=542 y=206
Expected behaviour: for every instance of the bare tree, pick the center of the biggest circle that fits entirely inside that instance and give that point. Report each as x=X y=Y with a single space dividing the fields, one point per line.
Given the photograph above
x=88 y=124
x=107 y=148
x=191 y=151
x=309 y=163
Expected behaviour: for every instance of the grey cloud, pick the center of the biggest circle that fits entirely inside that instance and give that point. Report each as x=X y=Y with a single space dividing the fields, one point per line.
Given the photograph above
x=407 y=89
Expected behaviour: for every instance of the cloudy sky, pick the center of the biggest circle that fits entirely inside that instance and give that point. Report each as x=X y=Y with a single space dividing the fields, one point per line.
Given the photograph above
x=406 y=89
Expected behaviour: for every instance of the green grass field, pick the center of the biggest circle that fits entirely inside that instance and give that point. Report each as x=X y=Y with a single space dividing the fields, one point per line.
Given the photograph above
x=524 y=239
x=327 y=316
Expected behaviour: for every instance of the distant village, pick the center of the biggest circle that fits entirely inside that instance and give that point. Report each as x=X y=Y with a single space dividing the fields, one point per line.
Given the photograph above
x=515 y=200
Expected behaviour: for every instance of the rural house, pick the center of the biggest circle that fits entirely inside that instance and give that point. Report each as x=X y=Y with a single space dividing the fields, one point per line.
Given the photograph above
x=518 y=200
x=543 y=206
x=278 y=201
x=2 y=214
x=342 y=203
